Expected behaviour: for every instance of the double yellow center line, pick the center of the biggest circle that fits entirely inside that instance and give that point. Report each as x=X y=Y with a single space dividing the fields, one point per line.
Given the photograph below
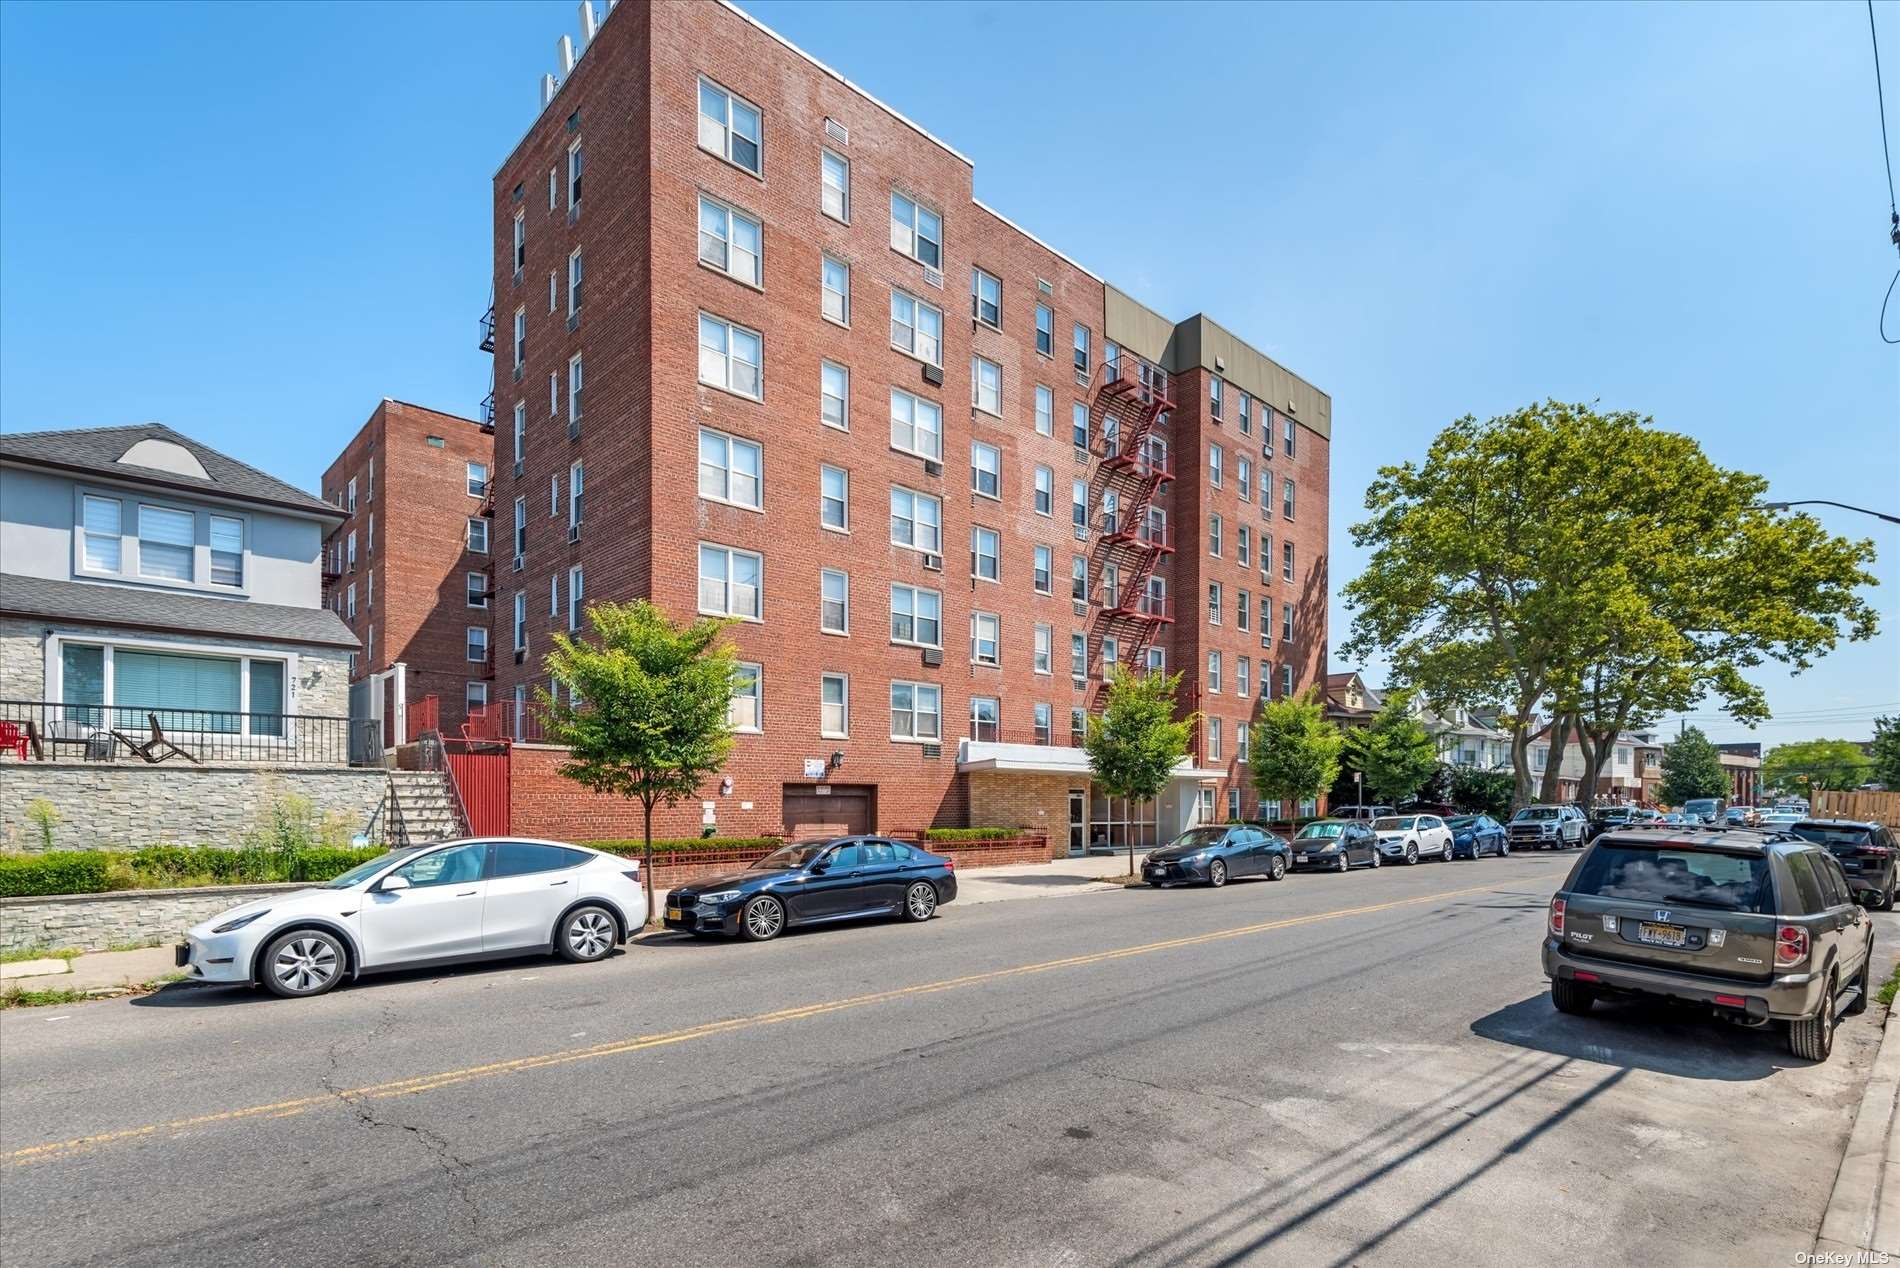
x=618 y=1047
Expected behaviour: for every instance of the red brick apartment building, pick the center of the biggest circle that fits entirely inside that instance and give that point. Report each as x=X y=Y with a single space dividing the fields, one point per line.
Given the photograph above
x=760 y=352
x=410 y=569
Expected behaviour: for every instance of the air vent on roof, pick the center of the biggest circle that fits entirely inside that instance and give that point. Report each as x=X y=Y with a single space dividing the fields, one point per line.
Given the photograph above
x=933 y=278
x=837 y=131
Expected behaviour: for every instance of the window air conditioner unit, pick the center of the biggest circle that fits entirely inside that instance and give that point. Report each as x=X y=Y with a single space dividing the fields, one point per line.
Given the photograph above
x=933 y=374
x=933 y=468
x=933 y=656
x=1081 y=606
x=934 y=563
x=932 y=277
x=1081 y=532
x=1081 y=454
x=574 y=532
x=519 y=563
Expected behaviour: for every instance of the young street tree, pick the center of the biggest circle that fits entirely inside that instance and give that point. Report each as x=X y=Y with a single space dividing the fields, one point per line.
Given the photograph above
x=1691 y=767
x=1394 y=752
x=652 y=723
x=1589 y=567
x=1816 y=765
x=1886 y=755
x=1134 y=746
x=1295 y=750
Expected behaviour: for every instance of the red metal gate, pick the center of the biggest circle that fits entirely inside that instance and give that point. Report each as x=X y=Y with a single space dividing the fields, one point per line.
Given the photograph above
x=481 y=777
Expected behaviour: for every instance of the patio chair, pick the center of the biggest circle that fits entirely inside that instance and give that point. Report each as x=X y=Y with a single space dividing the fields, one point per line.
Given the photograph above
x=12 y=740
x=157 y=748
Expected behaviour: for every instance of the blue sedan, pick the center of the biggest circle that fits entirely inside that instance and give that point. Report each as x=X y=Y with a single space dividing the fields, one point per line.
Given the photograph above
x=1474 y=836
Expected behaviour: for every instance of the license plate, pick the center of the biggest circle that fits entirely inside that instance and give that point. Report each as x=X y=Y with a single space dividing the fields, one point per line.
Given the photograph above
x=1299 y=858
x=1662 y=935
x=673 y=913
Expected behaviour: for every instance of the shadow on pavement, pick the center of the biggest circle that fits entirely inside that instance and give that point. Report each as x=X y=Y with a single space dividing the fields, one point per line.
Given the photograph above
x=213 y=995
x=1662 y=1038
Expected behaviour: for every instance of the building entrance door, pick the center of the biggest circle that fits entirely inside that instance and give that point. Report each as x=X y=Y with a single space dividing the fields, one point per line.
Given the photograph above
x=1078 y=822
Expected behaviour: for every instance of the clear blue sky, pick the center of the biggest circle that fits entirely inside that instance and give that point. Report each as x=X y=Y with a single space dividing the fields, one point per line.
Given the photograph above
x=253 y=221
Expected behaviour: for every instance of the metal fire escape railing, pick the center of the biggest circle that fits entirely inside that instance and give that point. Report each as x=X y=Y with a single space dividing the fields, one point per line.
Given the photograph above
x=1131 y=399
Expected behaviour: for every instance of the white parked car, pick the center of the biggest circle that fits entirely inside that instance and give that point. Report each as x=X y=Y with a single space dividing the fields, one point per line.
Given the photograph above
x=1409 y=838
x=432 y=904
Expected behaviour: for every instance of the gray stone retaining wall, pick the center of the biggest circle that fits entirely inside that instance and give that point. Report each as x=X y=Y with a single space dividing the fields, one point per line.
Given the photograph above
x=92 y=922
x=121 y=806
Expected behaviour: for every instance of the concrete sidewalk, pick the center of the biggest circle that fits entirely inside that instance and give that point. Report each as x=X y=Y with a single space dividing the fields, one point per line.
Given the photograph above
x=95 y=970
x=1864 y=1212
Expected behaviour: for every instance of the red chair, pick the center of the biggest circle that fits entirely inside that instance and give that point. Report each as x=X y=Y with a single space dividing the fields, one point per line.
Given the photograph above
x=11 y=737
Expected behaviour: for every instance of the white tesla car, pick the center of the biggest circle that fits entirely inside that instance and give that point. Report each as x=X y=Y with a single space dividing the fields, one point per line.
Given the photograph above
x=430 y=904
x=1409 y=838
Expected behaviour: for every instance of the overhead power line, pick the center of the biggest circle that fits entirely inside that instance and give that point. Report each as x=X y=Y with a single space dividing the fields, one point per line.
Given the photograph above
x=1886 y=153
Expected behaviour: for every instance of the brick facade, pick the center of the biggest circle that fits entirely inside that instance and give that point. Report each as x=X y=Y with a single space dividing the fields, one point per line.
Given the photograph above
x=630 y=105
x=412 y=569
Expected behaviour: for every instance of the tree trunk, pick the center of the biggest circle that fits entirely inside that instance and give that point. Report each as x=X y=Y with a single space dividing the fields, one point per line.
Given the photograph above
x=1520 y=768
x=1592 y=746
x=1552 y=789
x=646 y=865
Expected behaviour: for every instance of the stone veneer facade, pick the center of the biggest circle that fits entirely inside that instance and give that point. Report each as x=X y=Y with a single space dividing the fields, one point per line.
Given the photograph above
x=93 y=922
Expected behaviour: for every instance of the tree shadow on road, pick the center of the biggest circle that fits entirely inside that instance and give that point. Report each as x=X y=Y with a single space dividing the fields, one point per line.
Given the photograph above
x=190 y=994
x=1661 y=1038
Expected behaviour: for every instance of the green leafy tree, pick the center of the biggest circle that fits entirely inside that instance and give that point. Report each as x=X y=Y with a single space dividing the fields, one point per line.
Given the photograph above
x=1816 y=765
x=652 y=720
x=1886 y=755
x=1483 y=792
x=1136 y=742
x=1394 y=751
x=1584 y=565
x=1294 y=750
x=1692 y=767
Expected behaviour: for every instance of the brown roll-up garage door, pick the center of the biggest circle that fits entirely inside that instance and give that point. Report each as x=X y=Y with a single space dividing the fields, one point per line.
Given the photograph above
x=844 y=808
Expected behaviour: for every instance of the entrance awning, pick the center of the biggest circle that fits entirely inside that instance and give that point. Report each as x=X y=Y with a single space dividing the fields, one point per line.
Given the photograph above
x=976 y=756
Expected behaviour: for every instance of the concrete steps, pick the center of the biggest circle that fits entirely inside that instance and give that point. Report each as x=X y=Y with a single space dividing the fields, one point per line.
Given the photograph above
x=425 y=805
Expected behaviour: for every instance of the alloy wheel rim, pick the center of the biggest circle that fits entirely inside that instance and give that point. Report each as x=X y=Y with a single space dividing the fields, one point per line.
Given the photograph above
x=762 y=918
x=1218 y=872
x=305 y=964
x=922 y=901
x=589 y=933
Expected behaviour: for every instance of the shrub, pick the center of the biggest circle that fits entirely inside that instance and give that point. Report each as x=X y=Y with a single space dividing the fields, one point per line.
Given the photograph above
x=45 y=817
x=676 y=845
x=971 y=834
x=55 y=872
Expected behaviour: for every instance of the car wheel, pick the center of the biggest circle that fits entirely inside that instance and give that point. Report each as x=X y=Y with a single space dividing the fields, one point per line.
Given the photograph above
x=920 y=901
x=1886 y=898
x=303 y=962
x=762 y=919
x=1411 y=853
x=1217 y=873
x=1569 y=997
x=1276 y=870
x=1448 y=854
x=587 y=934
x=1812 y=1038
x=1378 y=856
x=1344 y=863
x=1504 y=849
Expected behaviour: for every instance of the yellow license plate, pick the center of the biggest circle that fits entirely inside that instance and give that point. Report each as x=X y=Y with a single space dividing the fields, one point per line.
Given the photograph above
x=1663 y=935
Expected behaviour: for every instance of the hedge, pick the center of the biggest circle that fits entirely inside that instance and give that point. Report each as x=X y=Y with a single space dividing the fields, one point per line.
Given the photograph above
x=971 y=834
x=55 y=872
x=170 y=867
x=682 y=845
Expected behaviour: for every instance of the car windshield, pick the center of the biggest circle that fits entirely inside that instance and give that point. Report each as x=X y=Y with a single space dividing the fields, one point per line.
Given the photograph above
x=1701 y=806
x=363 y=871
x=1831 y=836
x=1316 y=830
x=797 y=854
x=1462 y=821
x=1691 y=878
x=1530 y=813
x=1197 y=839
x=1394 y=823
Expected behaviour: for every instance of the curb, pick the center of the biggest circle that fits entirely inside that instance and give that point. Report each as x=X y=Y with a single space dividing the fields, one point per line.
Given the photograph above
x=1852 y=1221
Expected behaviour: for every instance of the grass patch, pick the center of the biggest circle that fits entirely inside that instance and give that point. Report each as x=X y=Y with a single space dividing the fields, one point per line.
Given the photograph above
x=1891 y=988
x=46 y=997
x=38 y=953
x=1127 y=880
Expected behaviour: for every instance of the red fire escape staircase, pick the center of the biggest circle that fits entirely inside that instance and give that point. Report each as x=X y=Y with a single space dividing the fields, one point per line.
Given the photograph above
x=1130 y=401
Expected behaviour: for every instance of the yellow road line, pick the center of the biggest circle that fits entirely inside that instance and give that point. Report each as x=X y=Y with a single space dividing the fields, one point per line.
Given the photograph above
x=640 y=1043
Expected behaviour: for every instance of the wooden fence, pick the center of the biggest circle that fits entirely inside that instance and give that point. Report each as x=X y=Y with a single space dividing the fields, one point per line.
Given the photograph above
x=1869 y=807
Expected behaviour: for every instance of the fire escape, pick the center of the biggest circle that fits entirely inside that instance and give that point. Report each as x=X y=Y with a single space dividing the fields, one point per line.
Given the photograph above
x=486 y=343
x=1131 y=400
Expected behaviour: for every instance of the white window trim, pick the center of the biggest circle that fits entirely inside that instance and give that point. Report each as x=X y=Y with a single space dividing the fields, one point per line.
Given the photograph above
x=824 y=153
x=998 y=556
x=845 y=501
x=758 y=699
x=911 y=545
x=482 y=577
x=200 y=581
x=844 y=703
x=726 y=128
x=918 y=453
x=845 y=424
x=843 y=296
x=914 y=685
x=729 y=438
x=730 y=551
x=732 y=210
x=54 y=669
x=576 y=589
x=822 y=627
x=977 y=363
x=997 y=470
x=731 y=326
x=977 y=272
x=942 y=330
x=915 y=590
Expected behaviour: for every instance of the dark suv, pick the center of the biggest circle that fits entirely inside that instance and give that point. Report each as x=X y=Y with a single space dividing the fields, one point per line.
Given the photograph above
x=1758 y=926
x=1865 y=852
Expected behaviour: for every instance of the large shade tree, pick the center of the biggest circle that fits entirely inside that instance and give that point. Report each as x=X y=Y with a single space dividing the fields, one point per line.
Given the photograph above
x=1136 y=742
x=1816 y=766
x=646 y=713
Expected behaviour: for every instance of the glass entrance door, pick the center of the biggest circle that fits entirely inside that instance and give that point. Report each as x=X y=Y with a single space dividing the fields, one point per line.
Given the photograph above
x=1078 y=821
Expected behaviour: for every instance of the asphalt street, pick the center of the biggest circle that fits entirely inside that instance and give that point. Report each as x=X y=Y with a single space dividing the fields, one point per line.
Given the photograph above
x=1327 y=1070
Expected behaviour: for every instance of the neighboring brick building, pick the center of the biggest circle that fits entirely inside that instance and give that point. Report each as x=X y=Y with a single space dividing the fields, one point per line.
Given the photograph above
x=409 y=570
x=734 y=375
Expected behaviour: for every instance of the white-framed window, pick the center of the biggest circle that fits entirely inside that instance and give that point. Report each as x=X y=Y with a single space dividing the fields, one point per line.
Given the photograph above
x=349 y=603
x=834 y=601
x=1233 y=801
x=916 y=327
x=1079 y=425
x=916 y=231
x=246 y=696
x=1246 y=416
x=521 y=241
x=477 y=479
x=986 y=298
x=1043 y=574
x=986 y=638
x=834 y=706
x=1213 y=603
x=1266 y=626
x=1078 y=655
x=102 y=526
x=1111 y=655
x=731 y=582
x=916 y=616
x=350 y=497
x=834 y=395
x=521 y=528
x=1243 y=611
x=477 y=535
x=834 y=498
x=986 y=386
x=168 y=541
x=1243 y=546
x=1081 y=348
x=1213 y=740
x=554 y=394
x=731 y=357
x=916 y=520
x=916 y=425
x=1045 y=411
x=1045 y=330
x=520 y=643
x=521 y=339
x=1266 y=433
x=1040 y=722
x=475 y=696
x=1045 y=494
x=554 y=290
x=227 y=549
x=1243 y=676
x=576 y=598
x=986 y=718
x=1286 y=560
x=1286 y=622
x=1214 y=386
x=1286 y=682
x=834 y=280
x=576 y=385
x=1157 y=660
x=1079 y=578
x=576 y=163
x=575 y=276
x=521 y=435
x=1286 y=436
x=731 y=127
x=554 y=495
x=1286 y=498
x=731 y=241
x=916 y=711
x=1214 y=465
x=1043 y=652
x=1214 y=535
x=745 y=711
x=1243 y=477
x=477 y=589
x=985 y=548
x=1243 y=748
x=986 y=470
x=476 y=643
x=1079 y=505
x=731 y=469
x=834 y=181
x=1213 y=672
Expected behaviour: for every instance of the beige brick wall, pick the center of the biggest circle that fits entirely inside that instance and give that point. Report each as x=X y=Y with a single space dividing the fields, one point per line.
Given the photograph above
x=1037 y=803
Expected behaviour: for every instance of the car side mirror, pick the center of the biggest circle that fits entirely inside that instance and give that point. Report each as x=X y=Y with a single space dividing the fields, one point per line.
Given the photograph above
x=391 y=884
x=819 y=869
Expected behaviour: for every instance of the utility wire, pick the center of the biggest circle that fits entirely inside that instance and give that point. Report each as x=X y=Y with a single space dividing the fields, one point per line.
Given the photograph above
x=1893 y=207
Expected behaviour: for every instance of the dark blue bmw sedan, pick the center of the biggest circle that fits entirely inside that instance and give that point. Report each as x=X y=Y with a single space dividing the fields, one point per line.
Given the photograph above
x=816 y=882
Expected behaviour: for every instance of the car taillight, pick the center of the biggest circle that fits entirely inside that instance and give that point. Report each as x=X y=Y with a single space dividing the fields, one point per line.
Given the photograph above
x=633 y=871
x=1791 y=944
x=1557 y=916
x=949 y=865
x=1875 y=849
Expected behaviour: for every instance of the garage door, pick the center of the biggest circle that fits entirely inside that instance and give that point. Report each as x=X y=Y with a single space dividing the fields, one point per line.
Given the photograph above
x=843 y=808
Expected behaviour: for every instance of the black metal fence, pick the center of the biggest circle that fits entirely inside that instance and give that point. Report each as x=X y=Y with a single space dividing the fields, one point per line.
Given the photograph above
x=49 y=731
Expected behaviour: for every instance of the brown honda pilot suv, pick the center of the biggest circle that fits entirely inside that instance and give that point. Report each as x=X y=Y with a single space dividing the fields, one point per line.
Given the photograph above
x=1759 y=926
